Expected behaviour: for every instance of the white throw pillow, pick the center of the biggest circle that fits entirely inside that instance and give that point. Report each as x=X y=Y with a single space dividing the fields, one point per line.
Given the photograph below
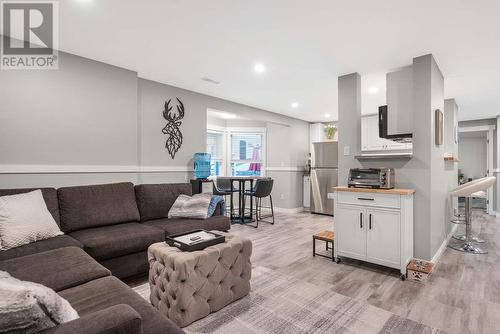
x=24 y=218
x=27 y=307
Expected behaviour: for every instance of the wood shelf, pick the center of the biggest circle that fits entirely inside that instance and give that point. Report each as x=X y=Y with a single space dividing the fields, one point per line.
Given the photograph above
x=451 y=159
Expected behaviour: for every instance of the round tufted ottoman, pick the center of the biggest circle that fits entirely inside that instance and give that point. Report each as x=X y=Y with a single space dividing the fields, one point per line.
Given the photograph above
x=187 y=286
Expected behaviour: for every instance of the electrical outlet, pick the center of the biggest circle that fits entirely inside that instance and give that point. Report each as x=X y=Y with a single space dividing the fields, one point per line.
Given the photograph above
x=347 y=150
x=282 y=196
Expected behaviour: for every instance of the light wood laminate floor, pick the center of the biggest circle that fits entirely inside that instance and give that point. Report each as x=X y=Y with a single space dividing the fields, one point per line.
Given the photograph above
x=461 y=296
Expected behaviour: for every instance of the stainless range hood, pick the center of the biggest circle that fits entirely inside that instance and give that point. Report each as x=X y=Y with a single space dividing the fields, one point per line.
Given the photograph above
x=382 y=128
x=395 y=120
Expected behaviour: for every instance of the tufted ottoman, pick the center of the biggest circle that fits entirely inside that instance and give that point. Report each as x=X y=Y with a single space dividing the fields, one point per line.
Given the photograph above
x=187 y=286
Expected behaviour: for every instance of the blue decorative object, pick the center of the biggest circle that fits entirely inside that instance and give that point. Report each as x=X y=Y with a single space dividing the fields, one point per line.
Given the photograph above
x=213 y=205
x=202 y=165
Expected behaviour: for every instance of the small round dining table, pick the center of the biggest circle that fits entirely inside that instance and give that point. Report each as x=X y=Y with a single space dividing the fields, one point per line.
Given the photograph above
x=243 y=181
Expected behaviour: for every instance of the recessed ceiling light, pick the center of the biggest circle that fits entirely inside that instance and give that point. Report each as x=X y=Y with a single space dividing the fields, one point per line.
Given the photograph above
x=259 y=68
x=295 y=105
x=372 y=90
x=328 y=115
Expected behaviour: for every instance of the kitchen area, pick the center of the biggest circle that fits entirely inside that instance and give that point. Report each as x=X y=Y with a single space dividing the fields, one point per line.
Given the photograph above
x=389 y=174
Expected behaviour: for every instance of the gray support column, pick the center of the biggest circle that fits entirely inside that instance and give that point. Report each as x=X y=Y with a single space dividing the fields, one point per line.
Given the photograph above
x=349 y=102
x=451 y=146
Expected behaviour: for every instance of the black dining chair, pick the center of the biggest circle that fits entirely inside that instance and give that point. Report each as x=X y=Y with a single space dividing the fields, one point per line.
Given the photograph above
x=262 y=189
x=222 y=187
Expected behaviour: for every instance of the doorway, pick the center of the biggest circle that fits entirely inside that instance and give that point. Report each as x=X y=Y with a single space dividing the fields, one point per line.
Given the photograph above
x=475 y=149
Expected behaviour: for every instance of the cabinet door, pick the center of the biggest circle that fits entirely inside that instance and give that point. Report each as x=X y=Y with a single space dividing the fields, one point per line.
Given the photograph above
x=350 y=231
x=383 y=237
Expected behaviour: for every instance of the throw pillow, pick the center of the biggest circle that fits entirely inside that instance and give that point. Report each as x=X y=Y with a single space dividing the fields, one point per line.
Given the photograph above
x=27 y=307
x=195 y=207
x=24 y=218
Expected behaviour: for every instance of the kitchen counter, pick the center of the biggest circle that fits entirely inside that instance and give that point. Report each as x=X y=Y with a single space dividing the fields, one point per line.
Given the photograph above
x=394 y=191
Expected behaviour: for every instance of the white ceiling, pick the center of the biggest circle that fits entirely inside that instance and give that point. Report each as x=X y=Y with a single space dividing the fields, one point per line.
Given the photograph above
x=305 y=46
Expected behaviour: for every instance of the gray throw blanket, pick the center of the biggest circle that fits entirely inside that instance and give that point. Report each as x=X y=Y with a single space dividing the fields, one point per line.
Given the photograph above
x=194 y=207
x=27 y=307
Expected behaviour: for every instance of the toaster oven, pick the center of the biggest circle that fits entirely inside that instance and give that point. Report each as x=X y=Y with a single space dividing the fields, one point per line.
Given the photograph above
x=377 y=178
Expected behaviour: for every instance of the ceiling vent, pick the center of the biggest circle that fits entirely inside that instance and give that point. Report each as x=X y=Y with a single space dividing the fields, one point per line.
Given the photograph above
x=207 y=79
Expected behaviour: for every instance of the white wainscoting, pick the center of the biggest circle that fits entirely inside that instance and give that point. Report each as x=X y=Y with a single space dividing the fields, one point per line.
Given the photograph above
x=89 y=169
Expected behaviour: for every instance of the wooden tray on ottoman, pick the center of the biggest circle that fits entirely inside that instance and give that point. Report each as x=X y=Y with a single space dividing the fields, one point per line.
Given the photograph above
x=200 y=239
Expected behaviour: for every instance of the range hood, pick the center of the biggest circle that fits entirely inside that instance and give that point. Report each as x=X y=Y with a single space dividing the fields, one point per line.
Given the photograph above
x=382 y=128
x=395 y=120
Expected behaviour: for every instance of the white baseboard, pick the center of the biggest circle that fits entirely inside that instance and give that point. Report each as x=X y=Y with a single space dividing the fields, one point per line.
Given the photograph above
x=497 y=214
x=289 y=210
x=440 y=251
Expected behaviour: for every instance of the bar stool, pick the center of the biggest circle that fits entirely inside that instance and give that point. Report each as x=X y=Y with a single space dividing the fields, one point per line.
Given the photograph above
x=467 y=190
x=474 y=237
x=459 y=217
x=222 y=187
x=262 y=189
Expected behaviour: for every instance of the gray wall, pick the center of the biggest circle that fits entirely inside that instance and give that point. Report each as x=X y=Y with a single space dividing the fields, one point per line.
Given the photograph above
x=472 y=151
x=287 y=138
x=426 y=171
x=91 y=122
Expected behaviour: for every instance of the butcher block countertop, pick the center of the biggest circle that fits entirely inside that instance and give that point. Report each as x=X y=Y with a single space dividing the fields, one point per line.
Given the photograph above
x=395 y=191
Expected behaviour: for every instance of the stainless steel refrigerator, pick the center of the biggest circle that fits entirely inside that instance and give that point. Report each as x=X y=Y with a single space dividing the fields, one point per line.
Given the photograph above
x=324 y=176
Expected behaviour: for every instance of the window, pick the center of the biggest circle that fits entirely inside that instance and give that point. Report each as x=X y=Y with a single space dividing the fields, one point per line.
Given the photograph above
x=246 y=153
x=215 y=146
x=236 y=151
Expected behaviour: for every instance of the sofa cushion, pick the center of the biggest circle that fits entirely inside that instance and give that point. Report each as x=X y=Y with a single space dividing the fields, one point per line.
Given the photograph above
x=49 y=195
x=180 y=225
x=128 y=265
x=24 y=219
x=108 y=291
x=27 y=307
x=97 y=205
x=116 y=240
x=57 y=269
x=40 y=246
x=155 y=200
x=117 y=319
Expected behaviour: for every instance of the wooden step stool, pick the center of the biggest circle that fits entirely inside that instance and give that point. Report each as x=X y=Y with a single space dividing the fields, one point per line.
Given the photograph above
x=327 y=237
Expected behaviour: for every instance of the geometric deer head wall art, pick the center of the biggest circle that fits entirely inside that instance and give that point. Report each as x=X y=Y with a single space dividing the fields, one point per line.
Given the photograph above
x=172 y=129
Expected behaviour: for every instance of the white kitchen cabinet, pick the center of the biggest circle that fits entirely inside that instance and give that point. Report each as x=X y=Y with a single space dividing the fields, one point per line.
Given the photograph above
x=306 y=191
x=383 y=229
x=353 y=224
x=370 y=140
x=317 y=133
x=374 y=225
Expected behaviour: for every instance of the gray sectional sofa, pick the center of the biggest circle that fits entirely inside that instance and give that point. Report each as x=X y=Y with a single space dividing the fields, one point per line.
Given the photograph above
x=114 y=223
x=108 y=229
